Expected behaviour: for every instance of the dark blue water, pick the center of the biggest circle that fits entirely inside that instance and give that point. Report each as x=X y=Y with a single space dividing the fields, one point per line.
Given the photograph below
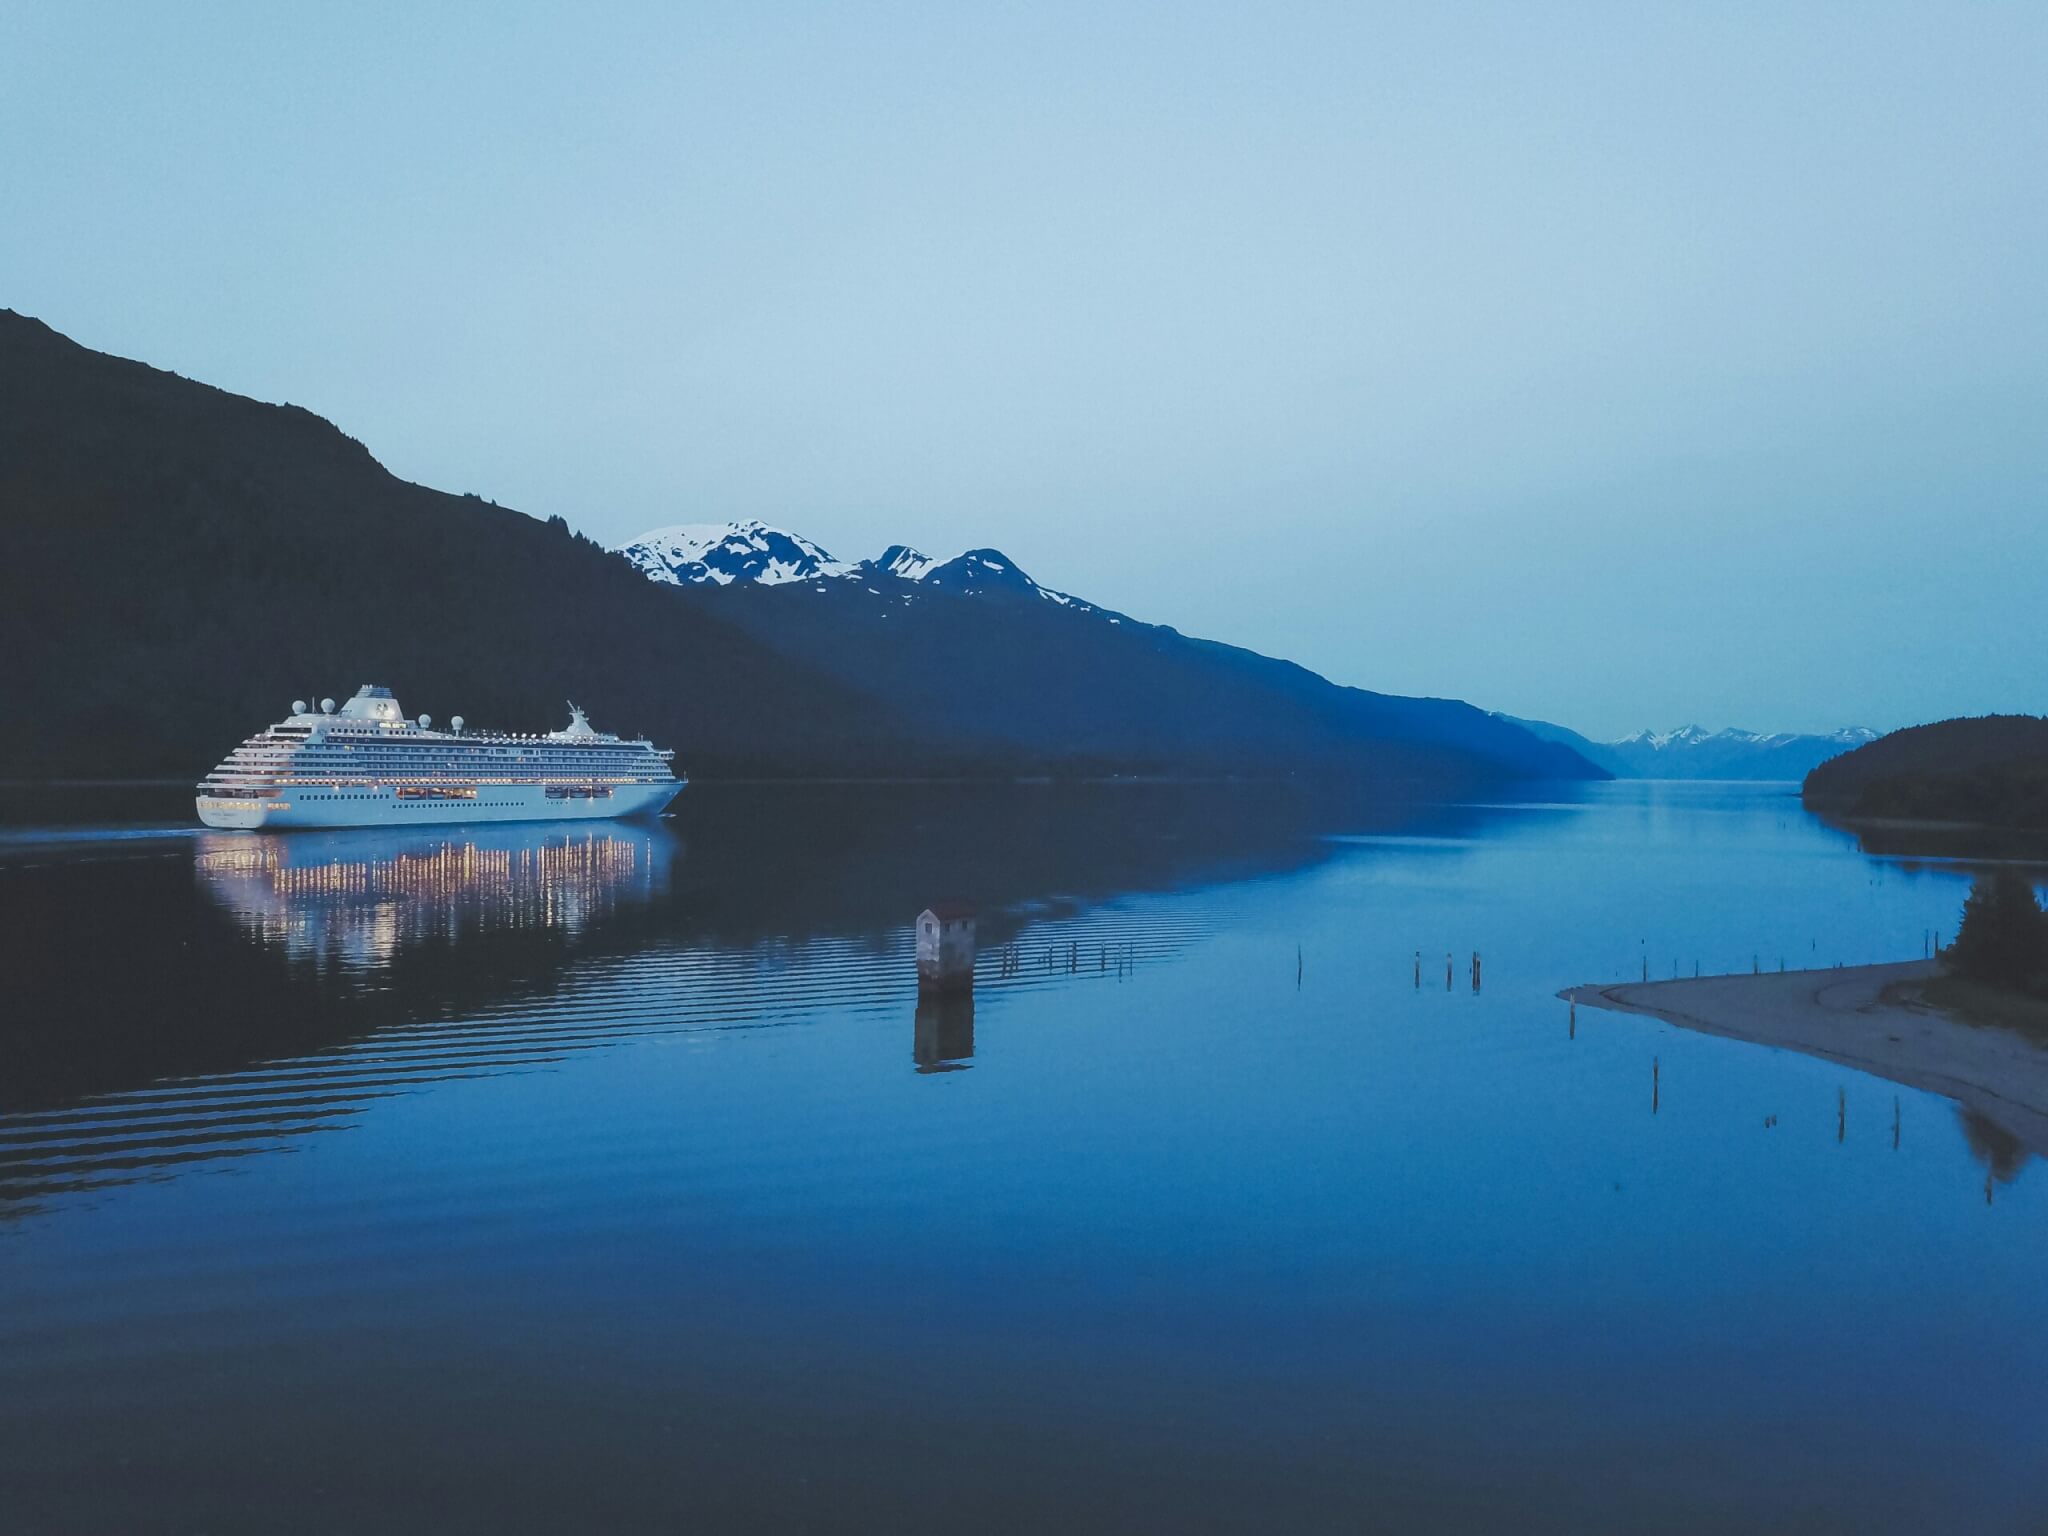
x=614 y=1179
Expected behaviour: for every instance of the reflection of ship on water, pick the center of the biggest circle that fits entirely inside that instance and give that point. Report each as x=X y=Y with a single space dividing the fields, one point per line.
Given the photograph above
x=357 y=898
x=942 y=1038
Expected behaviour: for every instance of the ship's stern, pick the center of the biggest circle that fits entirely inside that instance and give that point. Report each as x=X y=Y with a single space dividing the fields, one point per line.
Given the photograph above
x=239 y=814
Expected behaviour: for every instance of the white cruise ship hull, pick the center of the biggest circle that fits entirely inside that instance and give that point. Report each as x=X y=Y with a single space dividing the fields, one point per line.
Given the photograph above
x=365 y=806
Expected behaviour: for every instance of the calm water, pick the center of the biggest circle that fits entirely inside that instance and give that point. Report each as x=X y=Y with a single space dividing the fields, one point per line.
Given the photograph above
x=615 y=1179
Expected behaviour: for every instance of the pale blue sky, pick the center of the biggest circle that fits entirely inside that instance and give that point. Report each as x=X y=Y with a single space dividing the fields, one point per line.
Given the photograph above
x=1623 y=365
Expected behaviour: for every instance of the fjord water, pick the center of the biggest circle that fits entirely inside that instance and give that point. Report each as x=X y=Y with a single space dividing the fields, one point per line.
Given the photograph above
x=615 y=1178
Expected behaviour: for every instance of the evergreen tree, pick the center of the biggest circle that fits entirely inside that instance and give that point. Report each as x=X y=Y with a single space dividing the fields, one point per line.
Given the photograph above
x=2004 y=935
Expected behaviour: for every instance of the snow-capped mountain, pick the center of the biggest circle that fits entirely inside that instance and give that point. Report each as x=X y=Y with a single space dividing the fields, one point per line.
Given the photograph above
x=721 y=554
x=1694 y=752
x=727 y=552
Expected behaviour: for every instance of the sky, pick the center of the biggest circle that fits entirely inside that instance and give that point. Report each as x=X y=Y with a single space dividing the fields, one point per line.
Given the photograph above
x=1621 y=365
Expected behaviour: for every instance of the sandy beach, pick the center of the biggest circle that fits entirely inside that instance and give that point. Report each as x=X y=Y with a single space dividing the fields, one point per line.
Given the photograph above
x=1870 y=1017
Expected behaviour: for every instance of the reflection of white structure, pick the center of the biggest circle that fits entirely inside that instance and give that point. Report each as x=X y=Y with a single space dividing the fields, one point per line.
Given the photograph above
x=367 y=765
x=357 y=898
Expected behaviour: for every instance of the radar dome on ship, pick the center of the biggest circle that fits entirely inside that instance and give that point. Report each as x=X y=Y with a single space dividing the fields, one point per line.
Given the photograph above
x=456 y=721
x=426 y=722
x=327 y=706
x=298 y=706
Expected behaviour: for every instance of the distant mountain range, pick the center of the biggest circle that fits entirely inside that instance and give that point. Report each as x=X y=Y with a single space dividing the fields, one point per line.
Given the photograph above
x=757 y=554
x=1693 y=752
x=177 y=563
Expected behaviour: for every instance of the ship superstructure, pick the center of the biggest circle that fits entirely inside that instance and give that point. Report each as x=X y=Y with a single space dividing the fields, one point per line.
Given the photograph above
x=365 y=764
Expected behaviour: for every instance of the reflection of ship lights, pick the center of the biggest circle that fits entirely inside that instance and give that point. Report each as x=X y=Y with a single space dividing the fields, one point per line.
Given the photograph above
x=360 y=897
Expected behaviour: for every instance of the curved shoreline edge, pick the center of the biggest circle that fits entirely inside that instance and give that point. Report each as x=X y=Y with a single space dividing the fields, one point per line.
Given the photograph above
x=1872 y=1018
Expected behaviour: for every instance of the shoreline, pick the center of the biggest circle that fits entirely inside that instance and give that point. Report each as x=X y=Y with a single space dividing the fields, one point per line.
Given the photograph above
x=1874 y=1019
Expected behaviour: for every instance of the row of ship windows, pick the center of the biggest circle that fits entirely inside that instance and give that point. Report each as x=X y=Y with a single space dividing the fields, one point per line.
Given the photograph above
x=287 y=750
x=288 y=744
x=220 y=777
x=429 y=756
x=437 y=792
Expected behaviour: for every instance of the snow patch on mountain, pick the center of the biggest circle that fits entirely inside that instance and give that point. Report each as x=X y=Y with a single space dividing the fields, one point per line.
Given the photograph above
x=902 y=560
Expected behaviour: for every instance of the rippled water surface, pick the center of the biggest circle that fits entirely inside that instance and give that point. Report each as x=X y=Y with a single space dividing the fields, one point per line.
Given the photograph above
x=614 y=1178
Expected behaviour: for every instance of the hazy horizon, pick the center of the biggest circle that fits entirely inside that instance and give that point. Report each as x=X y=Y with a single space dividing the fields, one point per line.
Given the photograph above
x=1616 y=368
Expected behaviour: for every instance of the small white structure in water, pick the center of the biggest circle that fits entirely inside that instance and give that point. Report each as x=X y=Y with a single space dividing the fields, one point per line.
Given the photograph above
x=945 y=947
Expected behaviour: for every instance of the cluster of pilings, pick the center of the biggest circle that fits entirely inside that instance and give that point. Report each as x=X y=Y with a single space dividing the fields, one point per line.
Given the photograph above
x=1475 y=970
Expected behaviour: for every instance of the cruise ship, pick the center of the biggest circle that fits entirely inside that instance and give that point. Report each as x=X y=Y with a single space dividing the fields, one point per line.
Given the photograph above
x=366 y=765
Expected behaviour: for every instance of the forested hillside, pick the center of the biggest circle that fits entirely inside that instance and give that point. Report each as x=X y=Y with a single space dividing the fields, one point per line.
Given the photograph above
x=1989 y=771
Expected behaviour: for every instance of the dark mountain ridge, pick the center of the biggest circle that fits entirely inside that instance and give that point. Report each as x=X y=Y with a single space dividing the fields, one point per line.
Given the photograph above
x=997 y=654
x=181 y=562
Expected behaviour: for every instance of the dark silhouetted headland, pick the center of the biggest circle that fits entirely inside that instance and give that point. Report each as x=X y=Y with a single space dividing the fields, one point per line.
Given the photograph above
x=1989 y=771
